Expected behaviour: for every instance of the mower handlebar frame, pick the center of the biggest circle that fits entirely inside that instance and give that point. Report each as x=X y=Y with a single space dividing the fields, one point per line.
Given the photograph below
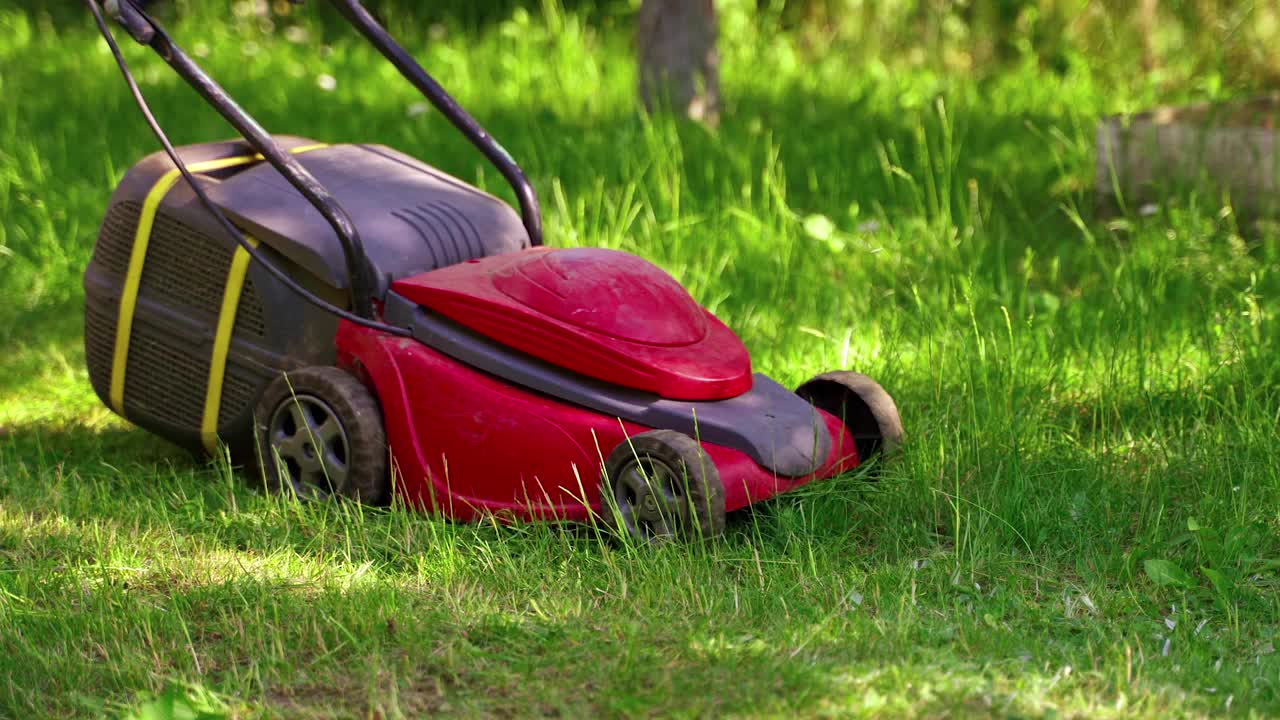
x=359 y=269
x=148 y=32
x=530 y=211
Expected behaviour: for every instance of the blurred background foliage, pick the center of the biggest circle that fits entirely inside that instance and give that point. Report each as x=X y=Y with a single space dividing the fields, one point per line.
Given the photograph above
x=1217 y=46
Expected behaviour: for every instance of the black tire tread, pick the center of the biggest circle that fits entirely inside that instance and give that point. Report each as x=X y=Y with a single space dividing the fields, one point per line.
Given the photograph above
x=830 y=390
x=678 y=450
x=368 y=480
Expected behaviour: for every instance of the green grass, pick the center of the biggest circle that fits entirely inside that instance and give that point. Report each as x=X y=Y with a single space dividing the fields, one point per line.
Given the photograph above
x=1086 y=521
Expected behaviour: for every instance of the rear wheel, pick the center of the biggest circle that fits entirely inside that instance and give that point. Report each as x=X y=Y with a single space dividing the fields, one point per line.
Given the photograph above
x=661 y=485
x=865 y=408
x=319 y=433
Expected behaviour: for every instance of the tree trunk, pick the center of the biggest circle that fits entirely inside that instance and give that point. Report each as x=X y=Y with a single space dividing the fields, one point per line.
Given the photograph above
x=679 y=65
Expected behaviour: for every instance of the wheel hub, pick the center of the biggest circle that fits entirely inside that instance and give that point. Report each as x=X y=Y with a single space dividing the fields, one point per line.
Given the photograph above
x=309 y=444
x=649 y=500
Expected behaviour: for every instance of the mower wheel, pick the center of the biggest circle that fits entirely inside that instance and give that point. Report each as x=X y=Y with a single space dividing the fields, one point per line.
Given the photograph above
x=319 y=432
x=660 y=485
x=865 y=408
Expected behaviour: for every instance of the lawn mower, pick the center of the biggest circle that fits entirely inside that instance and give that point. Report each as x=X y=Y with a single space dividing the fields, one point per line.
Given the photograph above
x=355 y=323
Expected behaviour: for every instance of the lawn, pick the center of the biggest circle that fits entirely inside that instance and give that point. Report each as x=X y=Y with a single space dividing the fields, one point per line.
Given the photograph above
x=1085 y=521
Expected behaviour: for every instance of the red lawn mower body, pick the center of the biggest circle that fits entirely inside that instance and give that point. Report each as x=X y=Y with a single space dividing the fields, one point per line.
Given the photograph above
x=468 y=443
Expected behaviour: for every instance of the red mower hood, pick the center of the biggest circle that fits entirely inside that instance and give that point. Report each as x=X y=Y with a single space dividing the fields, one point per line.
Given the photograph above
x=603 y=313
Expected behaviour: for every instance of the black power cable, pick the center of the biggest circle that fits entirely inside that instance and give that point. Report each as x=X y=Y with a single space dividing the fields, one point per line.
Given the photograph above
x=213 y=209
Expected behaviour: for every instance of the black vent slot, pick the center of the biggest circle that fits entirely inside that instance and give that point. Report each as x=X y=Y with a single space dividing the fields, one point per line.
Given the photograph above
x=239 y=391
x=99 y=342
x=166 y=376
x=449 y=235
x=249 y=318
x=115 y=239
x=185 y=269
x=167 y=373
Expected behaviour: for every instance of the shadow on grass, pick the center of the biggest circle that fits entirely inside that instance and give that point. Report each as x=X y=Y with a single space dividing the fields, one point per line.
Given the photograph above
x=287 y=638
x=309 y=619
x=72 y=447
x=111 y=532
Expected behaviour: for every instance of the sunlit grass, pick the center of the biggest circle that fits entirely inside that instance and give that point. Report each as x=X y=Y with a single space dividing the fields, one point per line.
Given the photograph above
x=1086 y=521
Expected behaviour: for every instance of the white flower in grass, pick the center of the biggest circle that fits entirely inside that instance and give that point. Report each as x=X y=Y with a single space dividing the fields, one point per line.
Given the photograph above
x=327 y=82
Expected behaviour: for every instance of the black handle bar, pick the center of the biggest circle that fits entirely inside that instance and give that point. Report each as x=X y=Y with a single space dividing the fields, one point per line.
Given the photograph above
x=147 y=31
x=530 y=211
x=131 y=18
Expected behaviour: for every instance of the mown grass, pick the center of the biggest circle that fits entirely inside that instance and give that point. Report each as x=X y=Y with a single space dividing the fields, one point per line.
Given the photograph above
x=1086 y=521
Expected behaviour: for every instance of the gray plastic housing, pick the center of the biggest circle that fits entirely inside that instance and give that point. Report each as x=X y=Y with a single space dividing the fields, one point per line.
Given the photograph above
x=181 y=287
x=410 y=216
x=179 y=298
x=775 y=427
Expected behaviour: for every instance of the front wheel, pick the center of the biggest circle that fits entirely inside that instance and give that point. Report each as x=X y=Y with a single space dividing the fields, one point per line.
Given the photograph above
x=319 y=433
x=661 y=485
x=863 y=406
